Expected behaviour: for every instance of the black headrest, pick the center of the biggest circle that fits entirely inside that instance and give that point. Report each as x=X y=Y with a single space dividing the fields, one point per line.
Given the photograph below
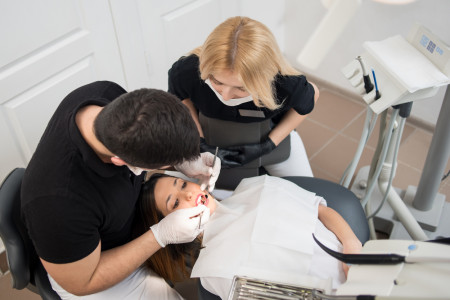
x=11 y=229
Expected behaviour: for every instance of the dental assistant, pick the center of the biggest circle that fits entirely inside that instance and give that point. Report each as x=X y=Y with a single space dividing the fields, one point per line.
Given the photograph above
x=240 y=75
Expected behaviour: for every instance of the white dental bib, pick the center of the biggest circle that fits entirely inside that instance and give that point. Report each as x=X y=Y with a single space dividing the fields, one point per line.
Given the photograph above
x=264 y=230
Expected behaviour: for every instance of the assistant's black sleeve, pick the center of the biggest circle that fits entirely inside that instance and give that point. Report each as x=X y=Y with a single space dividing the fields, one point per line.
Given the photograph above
x=184 y=76
x=303 y=96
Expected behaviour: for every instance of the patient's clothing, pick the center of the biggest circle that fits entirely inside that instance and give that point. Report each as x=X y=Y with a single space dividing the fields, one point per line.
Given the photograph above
x=141 y=284
x=264 y=230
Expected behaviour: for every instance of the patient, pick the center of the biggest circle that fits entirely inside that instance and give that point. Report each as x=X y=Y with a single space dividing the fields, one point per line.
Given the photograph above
x=263 y=230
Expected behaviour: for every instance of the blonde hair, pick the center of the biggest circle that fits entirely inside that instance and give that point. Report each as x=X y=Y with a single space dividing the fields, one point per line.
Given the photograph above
x=247 y=47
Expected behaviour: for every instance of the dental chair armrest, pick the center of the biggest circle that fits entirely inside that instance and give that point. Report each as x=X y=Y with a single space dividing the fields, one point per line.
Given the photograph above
x=340 y=199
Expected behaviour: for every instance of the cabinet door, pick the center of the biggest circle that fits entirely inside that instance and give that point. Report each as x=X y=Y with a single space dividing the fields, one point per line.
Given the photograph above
x=49 y=48
x=173 y=28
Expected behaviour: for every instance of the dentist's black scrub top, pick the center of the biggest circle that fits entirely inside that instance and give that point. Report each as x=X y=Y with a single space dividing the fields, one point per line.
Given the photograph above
x=71 y=200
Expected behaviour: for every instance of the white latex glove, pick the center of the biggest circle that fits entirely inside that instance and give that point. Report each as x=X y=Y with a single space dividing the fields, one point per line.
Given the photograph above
x=181 y=226
x=202 y=169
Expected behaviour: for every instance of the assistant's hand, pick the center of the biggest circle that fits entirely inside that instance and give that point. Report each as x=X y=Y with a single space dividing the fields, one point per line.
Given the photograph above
x=222 y=154
x=247 y=153
x=181 y=226
x=202 y=169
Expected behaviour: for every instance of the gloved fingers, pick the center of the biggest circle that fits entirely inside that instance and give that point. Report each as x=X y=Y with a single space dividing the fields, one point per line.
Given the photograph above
x=230 y=158
x=205 y=218
x=208 y=159
x=232 y=161
x=235 y=150
x=228 y=164
x=215 y=169
x=180 y=226
x=214 y=174
x=198 y=222
x=194 y=212
x=185 y=215
x=195 y=168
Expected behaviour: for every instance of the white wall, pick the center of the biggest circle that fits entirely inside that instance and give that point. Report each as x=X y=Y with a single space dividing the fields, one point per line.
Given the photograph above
x=372 y=22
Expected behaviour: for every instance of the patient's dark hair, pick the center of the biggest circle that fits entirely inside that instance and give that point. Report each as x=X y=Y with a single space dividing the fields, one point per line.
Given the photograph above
x=168 y=262
x=148 y=128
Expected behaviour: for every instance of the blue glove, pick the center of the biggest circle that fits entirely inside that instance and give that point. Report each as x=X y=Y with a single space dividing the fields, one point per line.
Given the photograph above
x=222 y=153
x=249 y=152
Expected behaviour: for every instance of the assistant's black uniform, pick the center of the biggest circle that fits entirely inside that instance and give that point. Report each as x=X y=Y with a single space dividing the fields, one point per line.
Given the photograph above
x=71 y=200
x=185 y=82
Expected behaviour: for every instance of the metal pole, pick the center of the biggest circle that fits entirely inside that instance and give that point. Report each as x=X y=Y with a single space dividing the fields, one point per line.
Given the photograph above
x=436 y=161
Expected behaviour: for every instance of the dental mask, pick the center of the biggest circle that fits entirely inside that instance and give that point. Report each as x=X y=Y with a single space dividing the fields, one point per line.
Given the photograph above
x=231 y=102
x=135 y=170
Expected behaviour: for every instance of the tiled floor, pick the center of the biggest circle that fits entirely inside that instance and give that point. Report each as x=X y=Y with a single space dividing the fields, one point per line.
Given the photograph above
x=331 y=135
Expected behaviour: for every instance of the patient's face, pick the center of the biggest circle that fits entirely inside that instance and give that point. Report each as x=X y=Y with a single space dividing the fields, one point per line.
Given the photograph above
x=173 y=193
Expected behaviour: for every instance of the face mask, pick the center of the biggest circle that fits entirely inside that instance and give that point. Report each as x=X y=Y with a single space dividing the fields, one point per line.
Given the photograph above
x=231 y=102
x=135 y=170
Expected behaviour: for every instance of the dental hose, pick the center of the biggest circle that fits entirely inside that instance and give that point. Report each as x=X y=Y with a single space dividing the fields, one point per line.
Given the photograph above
x=367 y=129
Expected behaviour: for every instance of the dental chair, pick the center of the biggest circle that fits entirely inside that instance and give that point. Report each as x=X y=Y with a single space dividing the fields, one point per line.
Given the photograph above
x=224 y=133
x=24 y=265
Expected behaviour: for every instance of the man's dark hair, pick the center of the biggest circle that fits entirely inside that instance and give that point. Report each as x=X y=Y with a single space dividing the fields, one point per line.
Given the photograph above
x=148 y=128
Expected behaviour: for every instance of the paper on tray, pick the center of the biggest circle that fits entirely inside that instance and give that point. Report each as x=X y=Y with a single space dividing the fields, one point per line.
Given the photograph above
x=406 y=64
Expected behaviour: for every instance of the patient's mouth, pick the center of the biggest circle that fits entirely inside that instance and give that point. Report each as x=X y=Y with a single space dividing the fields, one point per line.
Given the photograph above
x=201 y=200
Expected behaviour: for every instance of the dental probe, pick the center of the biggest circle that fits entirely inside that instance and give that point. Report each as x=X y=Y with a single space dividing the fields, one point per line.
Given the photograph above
x=200 y=220
x=215 y=156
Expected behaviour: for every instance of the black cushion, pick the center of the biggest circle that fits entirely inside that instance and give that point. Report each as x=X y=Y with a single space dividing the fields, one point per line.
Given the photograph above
x=25 y=267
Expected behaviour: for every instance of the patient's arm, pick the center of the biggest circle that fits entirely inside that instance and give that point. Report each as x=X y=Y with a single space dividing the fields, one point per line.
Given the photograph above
x=335 y=223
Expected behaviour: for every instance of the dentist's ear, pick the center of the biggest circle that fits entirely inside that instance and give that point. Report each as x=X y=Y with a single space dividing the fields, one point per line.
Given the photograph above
x=117 y=161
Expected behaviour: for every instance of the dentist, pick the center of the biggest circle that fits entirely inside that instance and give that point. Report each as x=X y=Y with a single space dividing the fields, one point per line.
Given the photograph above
x=81 y=186
x=240 y=75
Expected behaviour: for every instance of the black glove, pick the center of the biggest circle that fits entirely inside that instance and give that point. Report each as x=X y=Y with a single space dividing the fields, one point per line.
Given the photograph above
x=249 y=152
x=223 y=154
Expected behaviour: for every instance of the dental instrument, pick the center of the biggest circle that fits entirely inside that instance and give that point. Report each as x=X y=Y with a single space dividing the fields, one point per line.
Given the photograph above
x=380 y=259
x=368 y=86
x=215 y=156
x=368 y=127
x=200 y=220
x=377 y=91
x=406 y=70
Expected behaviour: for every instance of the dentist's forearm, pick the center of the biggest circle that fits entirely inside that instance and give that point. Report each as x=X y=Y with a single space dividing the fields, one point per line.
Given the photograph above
x=103 y=269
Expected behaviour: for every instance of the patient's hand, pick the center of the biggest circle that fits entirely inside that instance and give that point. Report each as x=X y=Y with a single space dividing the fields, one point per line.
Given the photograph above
x=352 y=246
